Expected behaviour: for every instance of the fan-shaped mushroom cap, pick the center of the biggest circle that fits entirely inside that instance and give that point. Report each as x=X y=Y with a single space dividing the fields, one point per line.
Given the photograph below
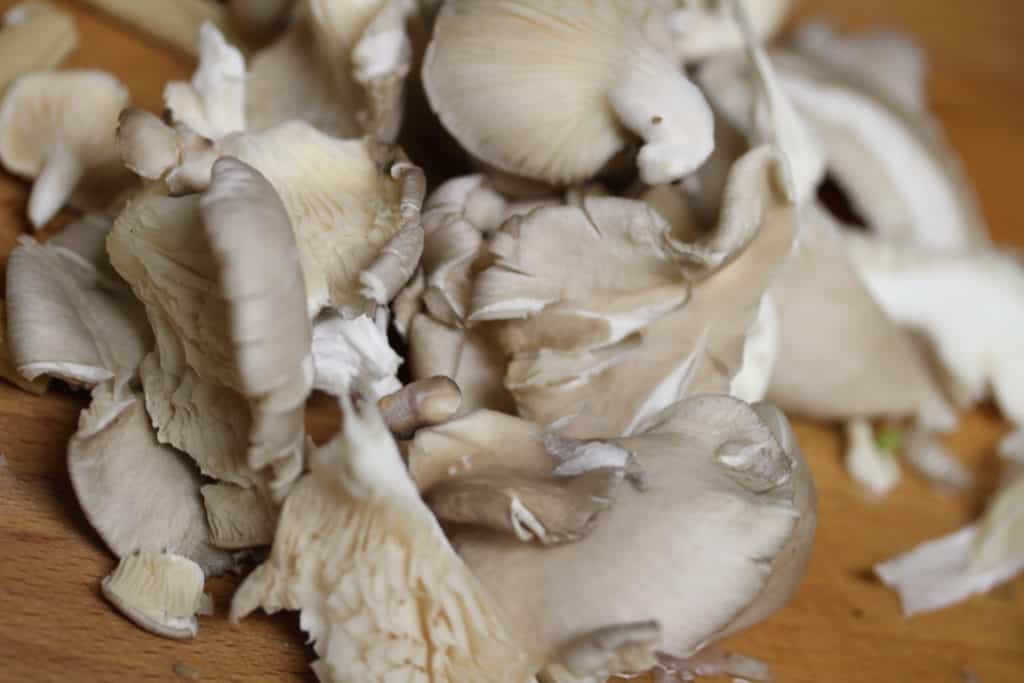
x=137 y=493
x=57 y=128
x=552 y=91
x=161 y=592
x=233 y=347
x=381 y=592
x=722 y=525
x=824 y=305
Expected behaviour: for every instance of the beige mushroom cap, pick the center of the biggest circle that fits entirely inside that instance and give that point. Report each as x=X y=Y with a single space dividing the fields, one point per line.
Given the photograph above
x=54 y=127
x=551 y=91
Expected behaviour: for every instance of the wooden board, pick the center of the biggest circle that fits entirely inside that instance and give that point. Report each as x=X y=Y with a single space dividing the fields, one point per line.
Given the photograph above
x=842 y=626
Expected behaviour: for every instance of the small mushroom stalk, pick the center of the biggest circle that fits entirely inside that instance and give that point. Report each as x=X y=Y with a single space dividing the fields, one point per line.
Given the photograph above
x=61 y=172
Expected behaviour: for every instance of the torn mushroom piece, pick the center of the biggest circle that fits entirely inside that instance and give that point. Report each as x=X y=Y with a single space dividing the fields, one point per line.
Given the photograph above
x=352 y=355
x=58 y=128
x=936 y=294
x=138 y=494
x=972 y=560
x=233 y=366
x=594 y=59
x=33 y=36
x=68 y=318
x=160 y=592
x=600 y=348
x=717 y=539
x=381 y=593
x=505 y=474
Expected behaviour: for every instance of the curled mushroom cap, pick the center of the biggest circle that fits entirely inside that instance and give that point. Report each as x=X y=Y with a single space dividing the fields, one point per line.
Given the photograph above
x=495 y=70
x=57 y=127
x=161 y=592
x=138 y=494
x=233 y=365
x=717 y=538
x=362 y=557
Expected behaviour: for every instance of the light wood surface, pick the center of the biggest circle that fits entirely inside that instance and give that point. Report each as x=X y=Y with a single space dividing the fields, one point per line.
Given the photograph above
x=842 y=626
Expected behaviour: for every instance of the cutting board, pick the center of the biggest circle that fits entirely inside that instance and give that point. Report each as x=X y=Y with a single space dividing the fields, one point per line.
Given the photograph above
x=841 y=626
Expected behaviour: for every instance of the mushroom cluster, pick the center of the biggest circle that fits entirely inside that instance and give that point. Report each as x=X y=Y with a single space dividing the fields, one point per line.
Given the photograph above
x=555 y=461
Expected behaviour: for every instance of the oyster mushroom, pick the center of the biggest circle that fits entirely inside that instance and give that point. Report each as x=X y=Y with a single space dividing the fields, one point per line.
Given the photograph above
x=233 y=366
x=506 y=474
x=160 y=592
x=238 y=518
x=68 y=318
x=344 y=208
x=33 y=36
x=7 y=369
x=936 y=293
x=381 y=592
x=57 y=128
x=611 y=82
x=138 y=494
x=728 y=516
x=422 y=403
x=600 y=348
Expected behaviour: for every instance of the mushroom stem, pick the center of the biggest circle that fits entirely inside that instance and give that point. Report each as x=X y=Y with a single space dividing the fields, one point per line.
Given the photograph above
x=866 y=462
x=420 y=404
x=654 y=99
x=55 y=183
x=35 y=36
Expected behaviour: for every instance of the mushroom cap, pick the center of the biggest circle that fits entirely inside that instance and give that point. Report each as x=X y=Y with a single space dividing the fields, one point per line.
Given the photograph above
x=527 y=86
x=137 y=493
x=76 y=109
x=692 y=551
x=700 y=29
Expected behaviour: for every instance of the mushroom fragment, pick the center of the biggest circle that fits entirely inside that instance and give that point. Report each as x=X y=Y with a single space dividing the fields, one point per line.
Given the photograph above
x=33 y=36
x=506 y=474
x=353 y=355
x=160 y=592
x=381 y=592
x=138 y=494
x=627 y=316
x=972 y=560
x=936 y=293
x=727 y=516
x=175 y=24
x=58 y=128
x=594 y=59
x=233 y=365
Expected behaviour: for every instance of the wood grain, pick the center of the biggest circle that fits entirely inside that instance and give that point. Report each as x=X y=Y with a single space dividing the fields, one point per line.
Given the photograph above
x=842 y=625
